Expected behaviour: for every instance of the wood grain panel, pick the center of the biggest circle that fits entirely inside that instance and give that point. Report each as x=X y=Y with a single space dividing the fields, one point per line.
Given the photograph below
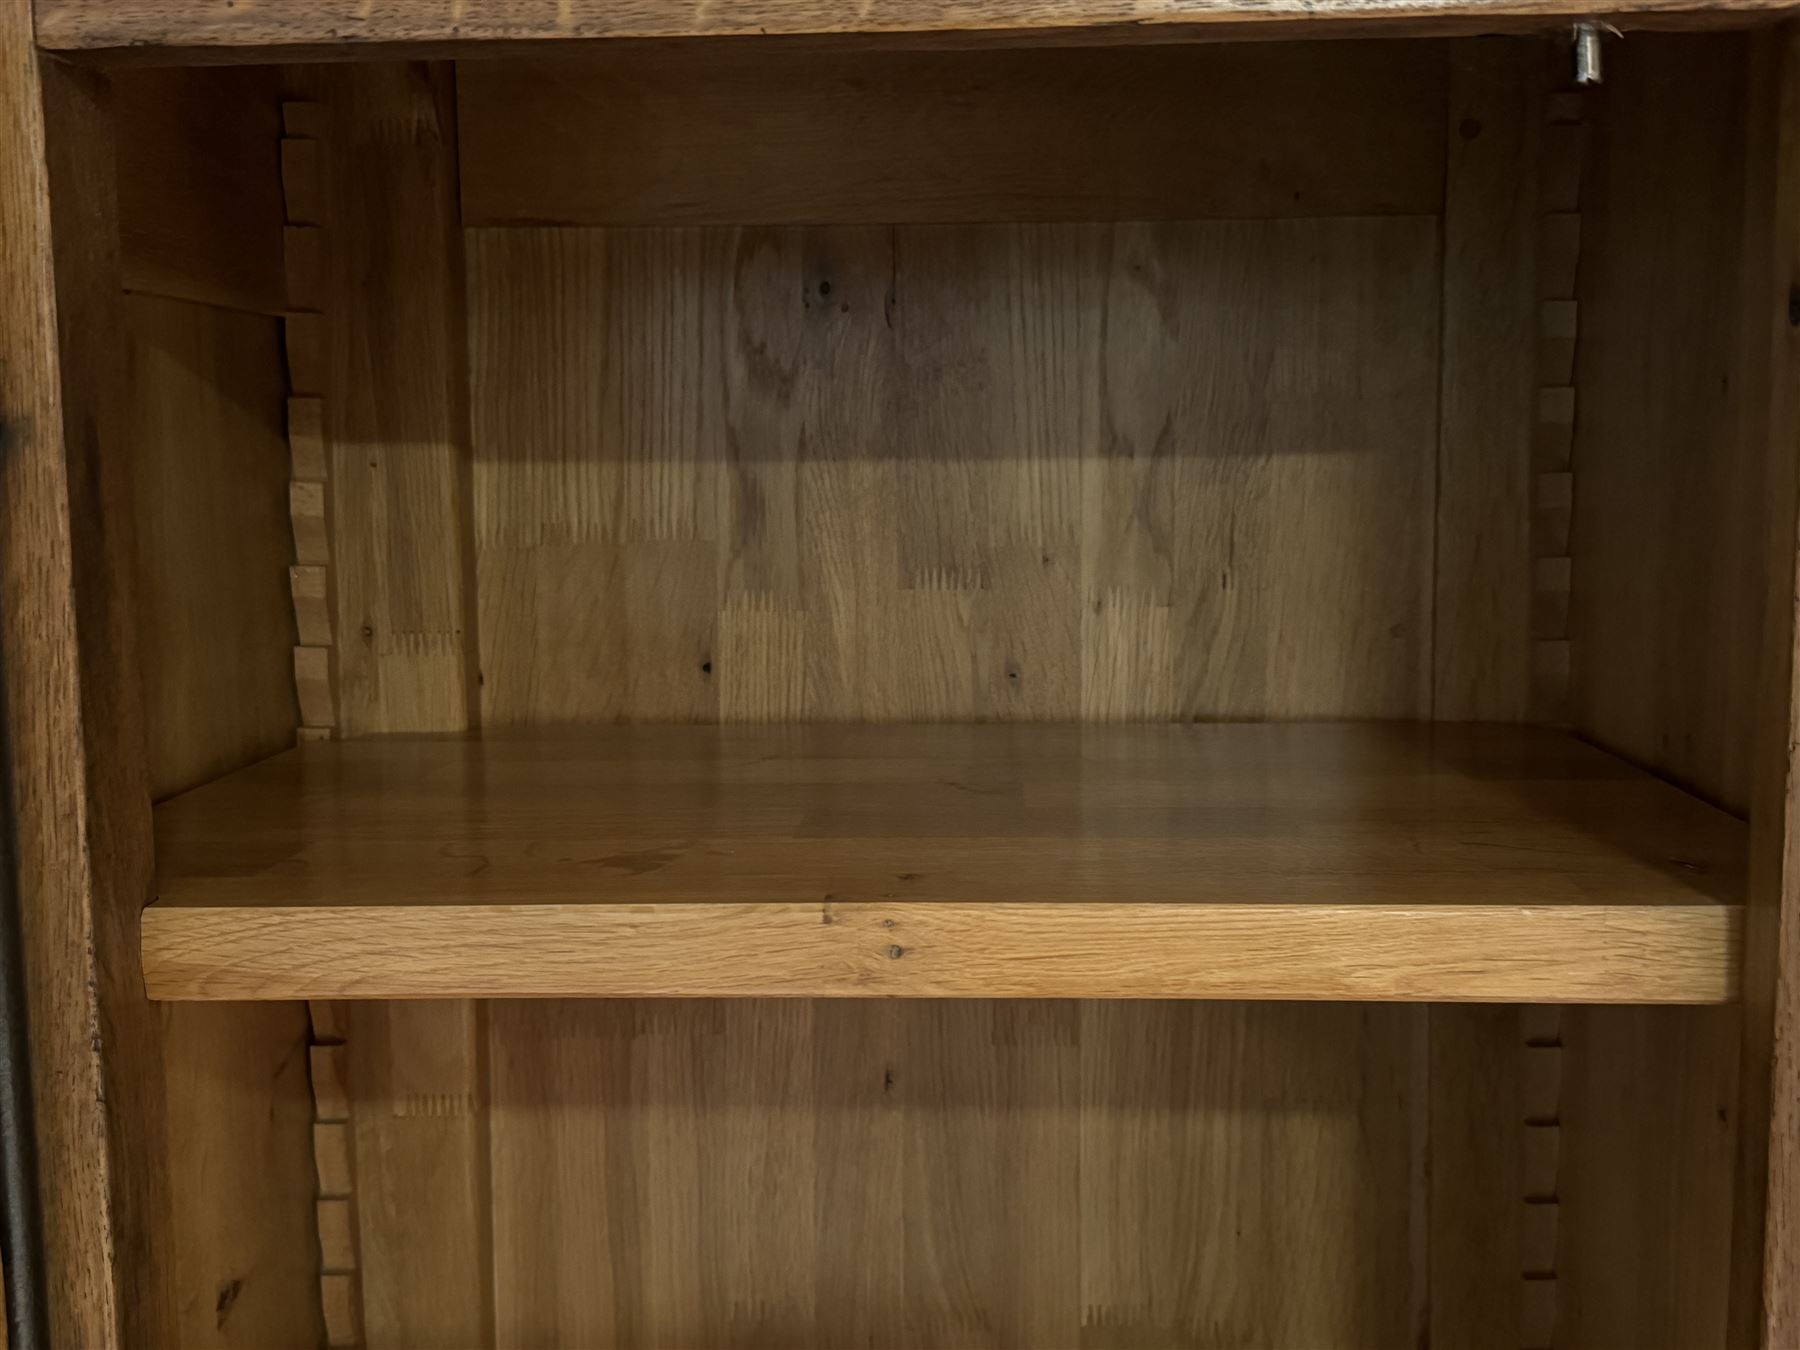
x=1180 y=1104
x=1668 y=646
x=1765 y=1247
x=997 y=472
x=1483 y=529
x=393 y=400
x=209 y=469
x=1081 y=949
x=947 y=1174
x=718 y=134
x=77 y=783
x=1665 y=640
x=200 y=210
x=209 y=474
x=417 y=1100
x=244 y=1252
x=1313 y=861
x=451 y=25
x=1283 y=814
x=1649 y=1128
x=663 y=1117
x=1473 y=1223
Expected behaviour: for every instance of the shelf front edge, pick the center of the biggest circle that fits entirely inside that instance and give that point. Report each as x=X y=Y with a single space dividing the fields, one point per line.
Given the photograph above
x=1484 y=953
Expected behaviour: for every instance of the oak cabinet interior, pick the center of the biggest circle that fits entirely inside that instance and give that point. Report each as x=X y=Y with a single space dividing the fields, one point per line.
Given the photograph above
x=606 y=484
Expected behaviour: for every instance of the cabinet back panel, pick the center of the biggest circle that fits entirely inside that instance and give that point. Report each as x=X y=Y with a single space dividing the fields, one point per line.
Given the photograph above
x=1082 y=471
x=720 y=134
x=949 y=1174
x=391 y=379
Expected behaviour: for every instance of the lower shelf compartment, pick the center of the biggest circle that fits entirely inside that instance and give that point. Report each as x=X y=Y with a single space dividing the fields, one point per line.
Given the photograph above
x=1280 y=860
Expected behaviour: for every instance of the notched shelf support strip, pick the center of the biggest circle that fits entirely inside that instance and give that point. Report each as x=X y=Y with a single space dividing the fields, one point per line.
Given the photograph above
x=1540 y=1099
x=340 y=1292
x=1553 y=449
x=315 y=673
x=309 y=492
x=1553 y=438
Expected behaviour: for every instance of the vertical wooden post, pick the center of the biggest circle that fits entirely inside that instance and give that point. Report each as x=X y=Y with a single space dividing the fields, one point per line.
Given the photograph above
x=77 y=772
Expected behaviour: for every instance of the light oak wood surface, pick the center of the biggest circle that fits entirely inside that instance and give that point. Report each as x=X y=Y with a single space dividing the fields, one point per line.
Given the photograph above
x=1324 y=861
x=992 y=471
x=199 y=217
x=950 y=1174
x=1016 y=470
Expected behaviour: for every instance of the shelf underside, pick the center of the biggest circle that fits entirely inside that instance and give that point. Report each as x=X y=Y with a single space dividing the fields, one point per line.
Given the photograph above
x=1362 y=861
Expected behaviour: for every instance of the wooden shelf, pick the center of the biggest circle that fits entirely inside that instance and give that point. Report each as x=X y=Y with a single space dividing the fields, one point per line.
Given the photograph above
x=1362 y=861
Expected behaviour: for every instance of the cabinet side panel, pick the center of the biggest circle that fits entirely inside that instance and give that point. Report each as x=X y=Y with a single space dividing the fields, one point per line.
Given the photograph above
x=76 y=779
x=209 y=477
x=1766 y=1225
x=244 y=1253
x=209 y=474
x=1649 y=1139
x=199 y=191
x=1667 y=635
x=209 y=470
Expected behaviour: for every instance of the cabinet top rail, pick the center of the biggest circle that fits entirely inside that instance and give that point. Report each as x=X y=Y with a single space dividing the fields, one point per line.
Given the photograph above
x=253 y=29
